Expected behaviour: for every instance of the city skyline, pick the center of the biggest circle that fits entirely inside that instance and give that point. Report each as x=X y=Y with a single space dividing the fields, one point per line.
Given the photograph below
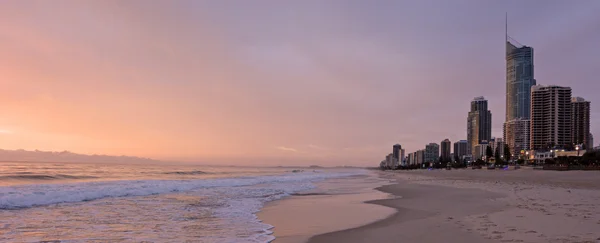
x=333 y=83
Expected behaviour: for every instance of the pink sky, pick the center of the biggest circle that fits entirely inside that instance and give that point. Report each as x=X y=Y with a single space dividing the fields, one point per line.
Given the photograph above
x=268 y=82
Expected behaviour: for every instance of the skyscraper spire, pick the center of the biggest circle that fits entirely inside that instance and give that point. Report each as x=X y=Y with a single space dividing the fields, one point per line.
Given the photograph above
x=506 y=29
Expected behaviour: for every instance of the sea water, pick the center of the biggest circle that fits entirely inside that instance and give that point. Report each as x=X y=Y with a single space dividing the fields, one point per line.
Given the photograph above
x=63 y=202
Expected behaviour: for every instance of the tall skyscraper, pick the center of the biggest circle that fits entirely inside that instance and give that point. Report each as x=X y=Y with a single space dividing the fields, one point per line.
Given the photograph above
x=580 y=113
x=432 y=152
x=519 y=80
x=445 y=150
x=551 y=121
x=479 y=123
x=460 y=149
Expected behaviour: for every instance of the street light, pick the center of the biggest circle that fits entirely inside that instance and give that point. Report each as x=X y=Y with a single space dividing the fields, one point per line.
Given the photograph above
x=577 y=148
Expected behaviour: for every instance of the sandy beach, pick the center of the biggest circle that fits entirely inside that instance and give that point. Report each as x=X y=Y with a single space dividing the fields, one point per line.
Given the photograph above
x=468 y=206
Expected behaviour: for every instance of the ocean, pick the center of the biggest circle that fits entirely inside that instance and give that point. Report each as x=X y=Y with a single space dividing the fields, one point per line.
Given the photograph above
x=69 y=202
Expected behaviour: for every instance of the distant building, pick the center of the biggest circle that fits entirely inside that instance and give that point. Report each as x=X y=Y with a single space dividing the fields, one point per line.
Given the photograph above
x=460 y=149
x=410 y=159
x=480 y=150
x=497 y=144
x=402 y=157
x=550 y=117
x=391 y=161
x=420 y=156
x=580 y=115
x=516 y=135
x=396 y=151
x=445 y=150
x=479 y=123
x=432 y=152
x=591 y=141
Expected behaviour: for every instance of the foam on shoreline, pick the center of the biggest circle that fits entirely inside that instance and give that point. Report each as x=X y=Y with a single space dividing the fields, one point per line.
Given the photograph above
x=336 y=204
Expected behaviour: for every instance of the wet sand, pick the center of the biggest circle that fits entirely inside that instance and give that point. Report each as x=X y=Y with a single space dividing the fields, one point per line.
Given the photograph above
x=335 y=205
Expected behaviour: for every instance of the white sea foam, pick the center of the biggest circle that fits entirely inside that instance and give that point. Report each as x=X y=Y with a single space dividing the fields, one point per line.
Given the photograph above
x=24 y=196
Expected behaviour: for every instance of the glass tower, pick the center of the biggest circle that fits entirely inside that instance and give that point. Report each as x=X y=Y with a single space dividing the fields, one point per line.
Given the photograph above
x=519 y=80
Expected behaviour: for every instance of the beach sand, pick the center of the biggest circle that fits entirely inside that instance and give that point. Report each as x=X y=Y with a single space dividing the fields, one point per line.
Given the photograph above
x=335 y=205
x=469 y=206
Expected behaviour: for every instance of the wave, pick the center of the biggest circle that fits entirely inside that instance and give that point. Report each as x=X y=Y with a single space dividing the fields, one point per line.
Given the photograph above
x=30 y=176
x=194 y=172
x=25 y=196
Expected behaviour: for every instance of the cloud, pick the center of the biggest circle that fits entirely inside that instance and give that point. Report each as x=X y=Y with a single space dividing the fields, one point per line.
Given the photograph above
x=312 y=146
x=4 y=131
x=287 y=149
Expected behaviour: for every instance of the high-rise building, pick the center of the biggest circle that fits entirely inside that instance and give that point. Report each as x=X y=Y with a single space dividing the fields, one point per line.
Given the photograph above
x=402 y=157
x=420 y=156
x=396 y=151
x=480 y=151
x=580 y=114
x=432 y=152
x=519 y=80
x=590 y=141
x=516 y=135
x=410 y=159
x=550 y=117
x=479 y=123
x=445 y=150
x=460 y=149
x=499 y=146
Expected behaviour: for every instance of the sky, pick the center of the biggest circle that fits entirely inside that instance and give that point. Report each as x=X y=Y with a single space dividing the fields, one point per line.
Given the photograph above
x=274 y=82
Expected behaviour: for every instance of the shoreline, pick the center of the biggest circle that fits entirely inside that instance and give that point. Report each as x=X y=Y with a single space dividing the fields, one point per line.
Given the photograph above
x=414 y=223
x=484 y=206
x=334 y=205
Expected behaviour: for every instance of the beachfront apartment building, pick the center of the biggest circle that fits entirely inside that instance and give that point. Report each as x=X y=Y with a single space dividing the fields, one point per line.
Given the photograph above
x=445 y=147
x=432 y=152
x=420 y=156
x=479 y=123
x=460 y=149
x=516 y=135
x=497 y=144
x=551 y=121
x=580 y=115
x=479 y=151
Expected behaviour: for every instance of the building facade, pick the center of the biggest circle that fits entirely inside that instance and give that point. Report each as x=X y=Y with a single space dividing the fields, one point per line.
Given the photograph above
x=580 y=114
x=410 y=159
x=497 y=145
x=460 y=149
x=420 y=156
x=516 y=135
x=551 y=121
x=519 y=80
x=432 y=152
x=396 y=151
x=480 y=150
x=445 y=147
x=479 y=123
